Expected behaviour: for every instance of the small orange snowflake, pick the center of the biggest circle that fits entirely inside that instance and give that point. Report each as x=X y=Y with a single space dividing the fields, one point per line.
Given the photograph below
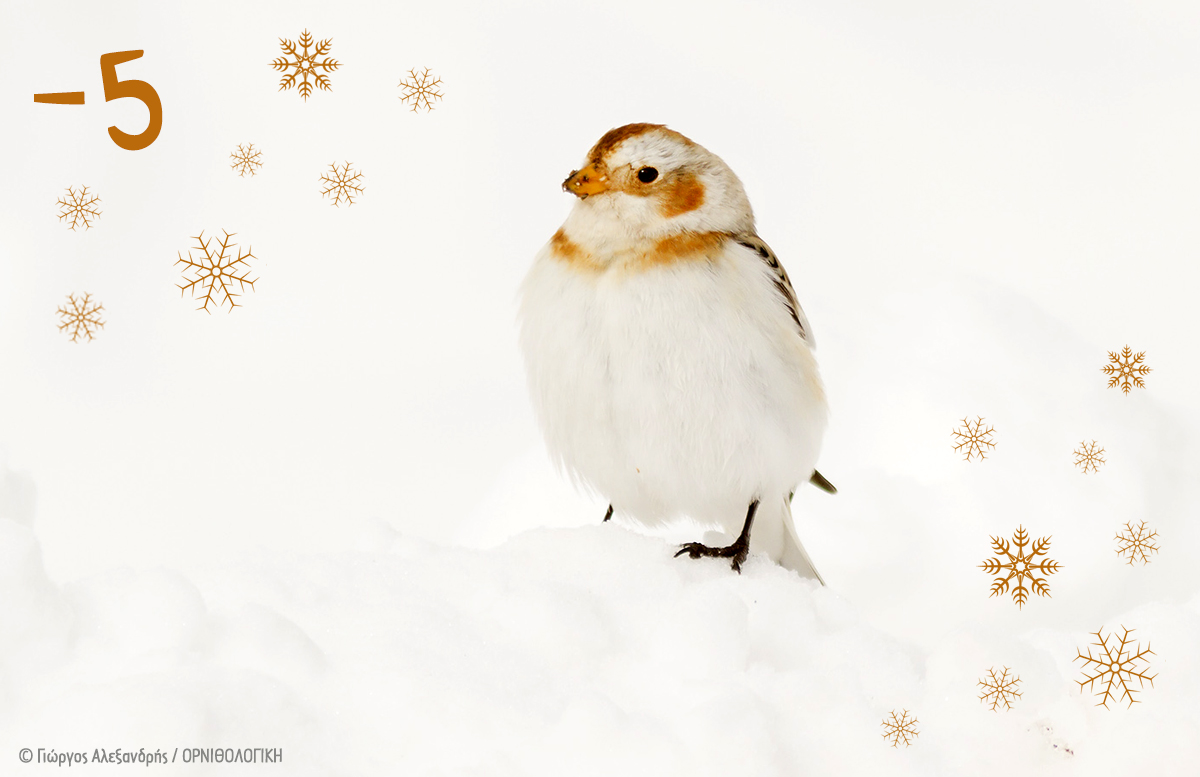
x=246 y=160
x=1000 y=689
x=900 y=729
x=1136 y=543
x=80 y=317
x=420 y=89
x=1089 y=457
x=344 y=184
x=79 y=207
x=973 y=437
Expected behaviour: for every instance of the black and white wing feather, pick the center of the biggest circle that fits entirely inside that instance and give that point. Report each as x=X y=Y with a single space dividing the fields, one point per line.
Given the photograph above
x=788 y=294
x=782 y=283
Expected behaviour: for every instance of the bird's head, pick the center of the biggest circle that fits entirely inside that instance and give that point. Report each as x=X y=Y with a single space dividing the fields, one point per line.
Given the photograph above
x=644 y=181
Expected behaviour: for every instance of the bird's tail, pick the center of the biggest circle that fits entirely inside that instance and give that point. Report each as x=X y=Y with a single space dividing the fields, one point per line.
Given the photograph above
x=794 y=556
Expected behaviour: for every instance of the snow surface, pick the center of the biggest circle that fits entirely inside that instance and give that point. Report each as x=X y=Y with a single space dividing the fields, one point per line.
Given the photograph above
x=589 y=649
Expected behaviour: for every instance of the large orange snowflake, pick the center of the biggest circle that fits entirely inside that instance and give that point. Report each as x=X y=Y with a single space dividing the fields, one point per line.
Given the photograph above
x=1020 y=564
x=1126 y=369
x=305 y=64
x=1115 y=668
x=216 y=270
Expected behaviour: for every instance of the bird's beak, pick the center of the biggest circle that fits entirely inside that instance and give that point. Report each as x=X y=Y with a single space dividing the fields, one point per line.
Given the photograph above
x=589 y=180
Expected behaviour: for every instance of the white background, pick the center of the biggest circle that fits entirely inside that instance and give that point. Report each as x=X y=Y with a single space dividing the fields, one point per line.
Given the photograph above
x=975 y=202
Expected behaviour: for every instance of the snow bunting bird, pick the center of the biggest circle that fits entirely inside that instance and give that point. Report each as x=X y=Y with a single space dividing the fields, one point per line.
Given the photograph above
x=670 y=365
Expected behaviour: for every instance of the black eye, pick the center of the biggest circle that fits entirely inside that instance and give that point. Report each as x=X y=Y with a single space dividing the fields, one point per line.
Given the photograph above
x=647 y=174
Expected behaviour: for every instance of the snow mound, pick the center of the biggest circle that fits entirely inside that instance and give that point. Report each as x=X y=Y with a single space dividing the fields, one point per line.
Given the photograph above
x=563 y=651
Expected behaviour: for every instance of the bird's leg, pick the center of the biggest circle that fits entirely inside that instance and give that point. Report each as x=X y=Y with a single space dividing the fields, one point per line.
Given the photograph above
x=609 y=513
x=737 y=551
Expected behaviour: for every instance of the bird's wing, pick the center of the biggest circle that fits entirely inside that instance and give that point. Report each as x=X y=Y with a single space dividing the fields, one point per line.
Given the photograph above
x=782 y=283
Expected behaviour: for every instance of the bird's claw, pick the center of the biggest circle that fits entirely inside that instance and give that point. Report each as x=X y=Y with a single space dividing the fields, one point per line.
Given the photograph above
x=694 y=549
x=736 y=552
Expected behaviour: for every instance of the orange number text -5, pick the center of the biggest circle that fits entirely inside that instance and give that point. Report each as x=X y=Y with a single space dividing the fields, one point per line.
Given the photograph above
x=139 y=90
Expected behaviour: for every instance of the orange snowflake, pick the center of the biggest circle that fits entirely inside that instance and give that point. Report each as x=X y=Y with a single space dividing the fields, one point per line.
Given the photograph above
x=305 y=64
x=78 y=207
x=1021 y=565
x=420 y=90
x=342 y=184
x=1089 y=457
x=973 y=437
x=1000 y=689
x=216 y=271
x=80 y=317
x=900 y=729
x=1115 y=668
x=1137 y=543
x=1126 y=369
x=246 y=160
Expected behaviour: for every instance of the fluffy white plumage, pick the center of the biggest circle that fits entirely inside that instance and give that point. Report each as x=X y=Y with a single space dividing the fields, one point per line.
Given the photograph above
x=670 y=366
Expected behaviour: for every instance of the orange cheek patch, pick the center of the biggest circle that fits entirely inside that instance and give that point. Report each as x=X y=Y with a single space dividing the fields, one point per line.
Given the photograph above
x=682 y=195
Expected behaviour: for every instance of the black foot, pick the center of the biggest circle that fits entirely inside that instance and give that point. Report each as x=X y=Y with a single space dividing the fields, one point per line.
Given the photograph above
x=609 y=513
x=737 y=552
